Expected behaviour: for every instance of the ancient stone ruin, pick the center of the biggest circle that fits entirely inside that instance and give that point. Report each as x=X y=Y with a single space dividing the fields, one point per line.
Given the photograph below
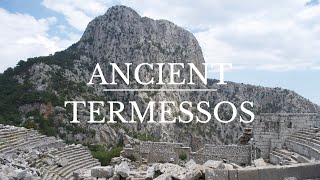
x=276 y=146
x=25 y=153
x=171 y=152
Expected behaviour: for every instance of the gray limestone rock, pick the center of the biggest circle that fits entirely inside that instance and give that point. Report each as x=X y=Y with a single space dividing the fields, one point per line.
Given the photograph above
x=122 y=169
x=164 y=177
x=212 y=164
x=150 y=173
x=3 y=176
x=21 y=174
x=216 y=174
x=190 y=164
x=62 y=162
x=48 y=161
x=102 y=172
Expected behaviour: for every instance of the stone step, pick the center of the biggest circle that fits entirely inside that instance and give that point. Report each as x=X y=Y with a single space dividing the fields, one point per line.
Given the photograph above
x=68 y=153
x=14 y=134
x=75 y=160
x=9 y=145
x=78 y=165
x=309 y=135
x=8 y=131
x=283 y=156
x=69 y=174
x=305 y=140
x=9 y=141
x=294 y=156
x=30 y=142
x=284 y=152
x=31 y=138
x=313 y=130
x=6 y=148
x=302 y=148
x=300 y=158
x=67 y=149
x=43 y=142
x=76 y=155
x=70 y=162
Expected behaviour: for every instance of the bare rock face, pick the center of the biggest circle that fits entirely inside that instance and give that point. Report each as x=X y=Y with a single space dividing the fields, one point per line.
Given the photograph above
x=122 y=35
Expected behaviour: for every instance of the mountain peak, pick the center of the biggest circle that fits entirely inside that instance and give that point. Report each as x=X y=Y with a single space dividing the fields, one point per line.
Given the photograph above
x=121 y=10
x=122 y=35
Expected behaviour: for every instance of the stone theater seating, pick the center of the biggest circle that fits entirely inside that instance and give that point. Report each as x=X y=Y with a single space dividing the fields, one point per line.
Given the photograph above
x=50 y=152
x=301 y=147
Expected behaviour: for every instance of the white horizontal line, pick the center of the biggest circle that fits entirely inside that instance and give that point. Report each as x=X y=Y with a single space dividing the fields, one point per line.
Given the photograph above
x=160 y=90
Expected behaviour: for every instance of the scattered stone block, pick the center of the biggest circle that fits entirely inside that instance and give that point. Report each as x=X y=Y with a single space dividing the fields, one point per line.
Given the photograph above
x=248 y=173
x=267 y=173
x=150 y=173
x=216 y=174
x=225 y=166
x=190 y=164
x=48 y=161
x=164 y=177
x=62 y=162
x=212 y=164
x=102 y=172
x=233 y=174
x=122 y=169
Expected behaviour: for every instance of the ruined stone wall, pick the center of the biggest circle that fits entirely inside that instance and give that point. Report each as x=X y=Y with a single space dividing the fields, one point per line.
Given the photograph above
x=158 y=151
x=231 y=153
x=166 y=152
x=271 y=130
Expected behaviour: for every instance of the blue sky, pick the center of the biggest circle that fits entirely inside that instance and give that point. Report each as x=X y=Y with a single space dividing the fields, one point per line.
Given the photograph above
x=274 y=44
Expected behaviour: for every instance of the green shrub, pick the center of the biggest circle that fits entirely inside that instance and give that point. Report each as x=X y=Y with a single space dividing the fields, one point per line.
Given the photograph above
x=29 y=124
x=103 y=155
x=183 y=156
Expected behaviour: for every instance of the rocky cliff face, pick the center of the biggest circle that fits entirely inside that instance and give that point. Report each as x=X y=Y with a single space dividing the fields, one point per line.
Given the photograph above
x=37 y=88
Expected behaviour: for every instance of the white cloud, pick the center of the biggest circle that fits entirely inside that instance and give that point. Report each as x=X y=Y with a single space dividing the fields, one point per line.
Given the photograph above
x=22 y=36
x=253 y=34
x=316 y=67
x=262 y=41
x=77 y=12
